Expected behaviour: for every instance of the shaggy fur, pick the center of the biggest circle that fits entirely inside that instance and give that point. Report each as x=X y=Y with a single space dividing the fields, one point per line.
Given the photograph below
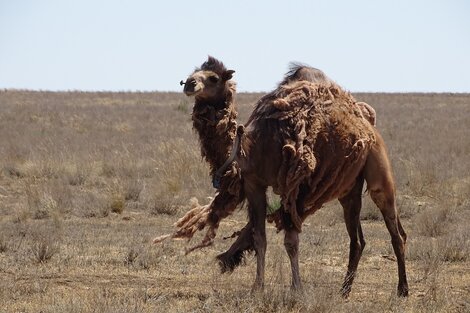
x=299 y=72
x=308 y=139
x=315 y=120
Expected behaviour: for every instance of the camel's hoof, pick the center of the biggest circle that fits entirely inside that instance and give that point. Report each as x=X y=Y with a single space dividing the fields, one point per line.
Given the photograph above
x=402 y=291
x=257 y=288
x=297 y=290
x=345 y=291
x=223 y=264
x=228 y=262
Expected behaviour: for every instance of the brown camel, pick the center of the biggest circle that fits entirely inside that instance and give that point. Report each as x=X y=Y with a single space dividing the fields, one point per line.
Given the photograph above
x=311 y=142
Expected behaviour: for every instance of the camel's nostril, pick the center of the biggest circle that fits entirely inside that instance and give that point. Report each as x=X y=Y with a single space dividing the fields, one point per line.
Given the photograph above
x=193 y=82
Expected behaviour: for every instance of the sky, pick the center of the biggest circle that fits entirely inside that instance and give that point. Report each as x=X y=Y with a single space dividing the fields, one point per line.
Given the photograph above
x=365 y=46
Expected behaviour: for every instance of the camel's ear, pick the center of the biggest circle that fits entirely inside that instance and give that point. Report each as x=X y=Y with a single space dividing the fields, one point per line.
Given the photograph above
x=228 y=74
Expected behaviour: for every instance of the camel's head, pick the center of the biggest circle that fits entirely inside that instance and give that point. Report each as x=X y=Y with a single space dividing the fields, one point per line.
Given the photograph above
x=210 y=81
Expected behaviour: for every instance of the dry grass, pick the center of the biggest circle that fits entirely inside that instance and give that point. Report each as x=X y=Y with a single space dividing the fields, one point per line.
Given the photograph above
x=87 y=179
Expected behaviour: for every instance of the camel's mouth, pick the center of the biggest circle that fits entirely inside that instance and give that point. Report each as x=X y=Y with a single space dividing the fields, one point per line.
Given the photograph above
x=191 y=93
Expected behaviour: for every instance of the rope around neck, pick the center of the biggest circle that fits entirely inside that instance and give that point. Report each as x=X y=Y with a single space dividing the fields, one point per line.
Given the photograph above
x=235 y=148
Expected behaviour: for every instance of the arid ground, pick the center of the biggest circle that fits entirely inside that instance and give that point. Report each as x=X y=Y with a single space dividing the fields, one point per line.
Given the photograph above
x=88 y=179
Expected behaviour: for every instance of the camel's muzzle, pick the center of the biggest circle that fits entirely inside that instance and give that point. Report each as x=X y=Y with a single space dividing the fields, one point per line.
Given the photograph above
x=190 y=86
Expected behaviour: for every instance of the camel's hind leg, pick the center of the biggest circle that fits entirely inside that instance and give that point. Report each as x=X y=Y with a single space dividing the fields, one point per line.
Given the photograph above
x=291 y=243
x=378 y=174
x=352 y=203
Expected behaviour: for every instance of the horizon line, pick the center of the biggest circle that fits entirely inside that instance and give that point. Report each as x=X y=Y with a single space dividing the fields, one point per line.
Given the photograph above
x=137 y=91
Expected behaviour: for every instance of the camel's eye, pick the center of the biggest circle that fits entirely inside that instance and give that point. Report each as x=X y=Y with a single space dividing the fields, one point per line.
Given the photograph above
x=213 y=79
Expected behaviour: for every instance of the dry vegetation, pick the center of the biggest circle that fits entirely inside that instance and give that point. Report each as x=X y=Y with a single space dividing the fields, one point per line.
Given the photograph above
x=88 y=179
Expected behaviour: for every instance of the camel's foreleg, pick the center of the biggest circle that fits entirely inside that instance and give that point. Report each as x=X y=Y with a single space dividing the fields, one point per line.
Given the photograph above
x=234 y=256
x=256 y=196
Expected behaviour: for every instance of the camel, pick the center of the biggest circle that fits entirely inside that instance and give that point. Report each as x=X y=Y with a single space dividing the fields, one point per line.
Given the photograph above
x=311 y=142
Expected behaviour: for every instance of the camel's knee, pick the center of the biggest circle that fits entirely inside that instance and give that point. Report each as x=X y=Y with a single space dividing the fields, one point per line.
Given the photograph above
x=403 y=236
x=358 y=245
x=402 y=231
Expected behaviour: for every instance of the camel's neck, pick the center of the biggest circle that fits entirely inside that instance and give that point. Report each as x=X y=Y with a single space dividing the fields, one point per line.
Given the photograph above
x=216 y=126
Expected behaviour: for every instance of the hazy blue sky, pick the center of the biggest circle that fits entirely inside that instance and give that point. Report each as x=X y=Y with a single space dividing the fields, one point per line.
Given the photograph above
x=152 y=45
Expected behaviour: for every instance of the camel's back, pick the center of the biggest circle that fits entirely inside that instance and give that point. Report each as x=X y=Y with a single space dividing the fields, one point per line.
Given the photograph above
x=323 y=140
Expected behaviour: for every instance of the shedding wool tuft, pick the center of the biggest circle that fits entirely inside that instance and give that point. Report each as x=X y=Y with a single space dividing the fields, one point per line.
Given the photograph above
x=326 y=138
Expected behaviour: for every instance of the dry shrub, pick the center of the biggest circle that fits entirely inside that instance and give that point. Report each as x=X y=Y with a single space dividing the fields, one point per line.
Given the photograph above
x=91 y=204
x=45 y=242
x=46 y=199
x=76 y=174
x=132 y=190
x=421 y=248
x=433 y=221
x=163 y=203
x=455 y=247
x=40 y=202
x=142 y=255
x=117 y=204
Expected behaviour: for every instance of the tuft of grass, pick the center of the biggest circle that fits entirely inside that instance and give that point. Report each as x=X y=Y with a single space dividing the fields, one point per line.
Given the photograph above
x=43 y=250
x=132 y=190
x=45 y=240
x=131 y=256
x=118 y=204
x=3 y=244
